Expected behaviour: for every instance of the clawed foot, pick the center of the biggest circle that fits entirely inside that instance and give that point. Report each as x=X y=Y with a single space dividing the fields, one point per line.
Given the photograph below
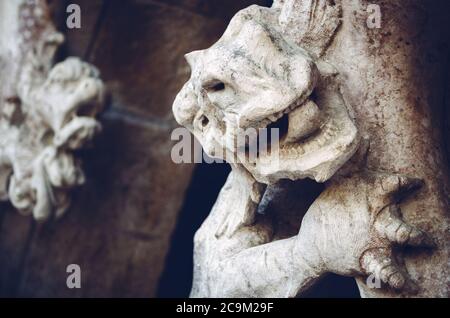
x=380 y=261
x=354 y=225
x=392 y=231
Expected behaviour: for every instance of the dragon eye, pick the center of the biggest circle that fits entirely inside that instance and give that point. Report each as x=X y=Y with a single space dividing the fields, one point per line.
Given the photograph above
x=215 y=86
x=218 y=87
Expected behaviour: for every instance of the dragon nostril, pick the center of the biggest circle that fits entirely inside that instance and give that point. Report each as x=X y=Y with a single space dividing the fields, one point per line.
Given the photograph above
x=204 y=121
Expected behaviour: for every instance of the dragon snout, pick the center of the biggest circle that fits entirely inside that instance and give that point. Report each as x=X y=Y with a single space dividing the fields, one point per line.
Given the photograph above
x=185 y=106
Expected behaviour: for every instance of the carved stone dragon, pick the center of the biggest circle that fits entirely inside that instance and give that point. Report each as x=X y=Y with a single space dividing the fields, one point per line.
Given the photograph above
x=257 y=76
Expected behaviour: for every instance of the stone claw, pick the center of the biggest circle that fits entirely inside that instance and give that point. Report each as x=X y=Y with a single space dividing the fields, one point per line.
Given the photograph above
x=379 y=262
x=391 y=226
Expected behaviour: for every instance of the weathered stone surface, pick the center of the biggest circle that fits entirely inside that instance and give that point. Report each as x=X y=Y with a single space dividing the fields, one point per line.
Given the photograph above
x=251 y=78
x=266 y=81
x=392 y=84
x=396 y=78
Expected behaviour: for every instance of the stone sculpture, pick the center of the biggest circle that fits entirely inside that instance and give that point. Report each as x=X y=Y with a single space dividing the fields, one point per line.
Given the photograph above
x=46 y=112
x=255 y=76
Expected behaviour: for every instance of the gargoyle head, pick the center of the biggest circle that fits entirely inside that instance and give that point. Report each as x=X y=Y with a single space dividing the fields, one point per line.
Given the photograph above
x=58 y=117
x=255 y=78
x=47 y=112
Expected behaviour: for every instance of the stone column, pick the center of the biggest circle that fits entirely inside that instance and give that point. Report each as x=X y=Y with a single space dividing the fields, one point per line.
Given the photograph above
x=395 y=79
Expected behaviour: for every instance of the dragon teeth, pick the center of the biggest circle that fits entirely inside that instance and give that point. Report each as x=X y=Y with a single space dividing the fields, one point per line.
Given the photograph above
x=274 y=117
x=303 y=121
